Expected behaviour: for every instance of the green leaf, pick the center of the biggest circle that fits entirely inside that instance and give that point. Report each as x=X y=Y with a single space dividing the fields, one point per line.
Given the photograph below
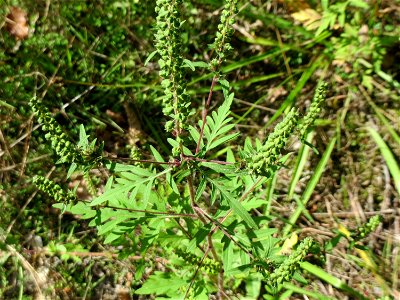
x=324 y=4
x=71 y=169
x=134 y=171
x=200 y=189
x=243 y=269
x=146 y=194
x=189 y=64
x=230 y=157
x=161 y=283
x=117 y=167
x=151 y=55
x=220 y=168
x=302 y=291
x=226 y=138
x=195 y=135
x=300 y=164
x=171 y=182
x=83 y=209
x=234 y=204
x=128 y=178
x=113 y=193
x=217 y=125
x=62 y=206
x=3 y=103
x=110 y=237
x=199 y=237
x=158 y=156
x=109 y=183
x=83 y=138
x=174 y=143
x=105 y=214
x=253 y=287
x=110 y=226
x=359 y=3
x=200 y=64
x=263 y=234
x=225 y=87
x=227 y=255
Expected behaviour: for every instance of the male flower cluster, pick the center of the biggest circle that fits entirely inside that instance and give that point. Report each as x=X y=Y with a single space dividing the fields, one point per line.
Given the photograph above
x=264 y=161
x=314 y=110
x=52 y=189
x=168 y=44
x=291 y=264
x=59 y=140
x=223 y=36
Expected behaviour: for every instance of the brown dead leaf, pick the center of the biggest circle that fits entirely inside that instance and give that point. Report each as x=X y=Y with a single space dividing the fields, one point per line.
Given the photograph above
x=17 y=23
x=123 y=293
x=275 y=93
x=294 y=5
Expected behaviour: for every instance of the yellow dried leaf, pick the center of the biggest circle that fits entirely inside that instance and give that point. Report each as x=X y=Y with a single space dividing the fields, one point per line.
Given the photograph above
x=343 y=230
x=309 y=17
x=288 y=244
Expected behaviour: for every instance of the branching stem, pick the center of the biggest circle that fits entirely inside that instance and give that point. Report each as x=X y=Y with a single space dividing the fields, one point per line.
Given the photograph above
x=151 y=212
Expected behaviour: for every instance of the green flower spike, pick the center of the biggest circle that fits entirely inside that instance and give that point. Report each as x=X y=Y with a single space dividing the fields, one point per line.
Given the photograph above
x=264 y=161
x=367 y=228
x=314 y=111
x=221 y=44
x=290 y=265
x=208 y=265
x=168 y=44
x=59 y=140
x=52 y=189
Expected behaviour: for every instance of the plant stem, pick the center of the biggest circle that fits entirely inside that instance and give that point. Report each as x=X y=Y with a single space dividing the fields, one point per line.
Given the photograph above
x=205 y=112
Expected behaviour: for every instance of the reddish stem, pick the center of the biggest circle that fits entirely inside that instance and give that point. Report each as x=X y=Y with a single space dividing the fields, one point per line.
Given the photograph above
x=205 y=112
x=192 y=158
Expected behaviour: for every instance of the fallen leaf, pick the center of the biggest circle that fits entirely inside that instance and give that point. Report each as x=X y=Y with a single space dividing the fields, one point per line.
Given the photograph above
x=17 y=23
x=309 y=17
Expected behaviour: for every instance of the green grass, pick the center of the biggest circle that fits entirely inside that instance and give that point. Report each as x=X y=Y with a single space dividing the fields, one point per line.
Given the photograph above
x=319 y=169
x=388 y=156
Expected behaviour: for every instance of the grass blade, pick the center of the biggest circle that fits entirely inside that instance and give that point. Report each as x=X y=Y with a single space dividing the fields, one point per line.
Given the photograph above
x=387 y=154
x=310 y=186
x=332 y=280
x=301 y=291
x=301 y=162
x=385 y=122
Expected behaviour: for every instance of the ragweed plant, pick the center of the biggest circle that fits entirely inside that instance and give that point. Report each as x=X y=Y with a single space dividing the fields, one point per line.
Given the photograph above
x=190 y=203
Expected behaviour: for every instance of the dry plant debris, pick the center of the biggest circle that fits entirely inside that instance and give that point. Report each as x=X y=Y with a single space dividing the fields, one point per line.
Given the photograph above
x=17 y=23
